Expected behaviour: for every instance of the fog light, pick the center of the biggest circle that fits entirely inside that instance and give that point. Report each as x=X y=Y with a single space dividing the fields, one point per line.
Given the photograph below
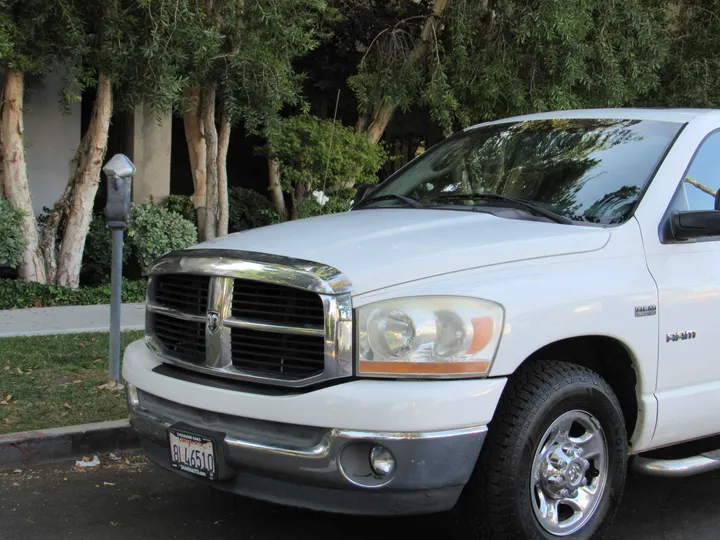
x=381 y=461
x=132 y=395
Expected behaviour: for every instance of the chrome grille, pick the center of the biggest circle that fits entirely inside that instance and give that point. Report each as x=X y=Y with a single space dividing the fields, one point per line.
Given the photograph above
x=250 y=316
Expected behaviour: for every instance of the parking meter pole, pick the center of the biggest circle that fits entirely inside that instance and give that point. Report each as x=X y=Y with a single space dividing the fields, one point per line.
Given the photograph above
x=119 y=171
x=115 y=303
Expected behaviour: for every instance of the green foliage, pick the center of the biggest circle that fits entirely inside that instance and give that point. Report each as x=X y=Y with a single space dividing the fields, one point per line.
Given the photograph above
x=36 y=33
x=488 y=59
x=311 y=207
x=12 y=240
x=389 y=69
x=249 y=209
x=256 y=74
x=319 y=155
x=18 y=294
x=691 y=77
x=154 y=230
x=97 y=256
x=249 y=55
x=183 y=205
x=143 y=47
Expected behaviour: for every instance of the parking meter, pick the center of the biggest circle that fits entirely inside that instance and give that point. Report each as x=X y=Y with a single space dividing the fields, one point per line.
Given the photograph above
x=119 y=171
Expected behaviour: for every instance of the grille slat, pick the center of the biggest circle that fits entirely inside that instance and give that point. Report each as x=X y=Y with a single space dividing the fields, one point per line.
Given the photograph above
x=276 y=303
x=184 y=292
x=289 y=356
x=184 y=340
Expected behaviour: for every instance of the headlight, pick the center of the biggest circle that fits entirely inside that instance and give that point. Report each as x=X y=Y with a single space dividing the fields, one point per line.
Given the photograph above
x=442 y=336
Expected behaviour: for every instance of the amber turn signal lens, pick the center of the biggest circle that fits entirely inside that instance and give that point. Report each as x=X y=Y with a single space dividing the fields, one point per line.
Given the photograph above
x=483 y=328
x=422 y=368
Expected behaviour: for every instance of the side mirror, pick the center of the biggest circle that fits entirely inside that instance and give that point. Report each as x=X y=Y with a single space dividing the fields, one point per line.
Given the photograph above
x=717 y=200
x=363 y=190
x=700 y=224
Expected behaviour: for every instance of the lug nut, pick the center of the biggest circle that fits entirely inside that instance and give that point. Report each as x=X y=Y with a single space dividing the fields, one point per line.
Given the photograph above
x=556 y=479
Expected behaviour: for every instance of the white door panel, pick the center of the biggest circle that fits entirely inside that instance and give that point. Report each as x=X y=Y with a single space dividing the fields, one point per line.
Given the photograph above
x=687 y=275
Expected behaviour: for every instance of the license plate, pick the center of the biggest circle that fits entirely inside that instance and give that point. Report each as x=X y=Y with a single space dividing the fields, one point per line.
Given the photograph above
x=192 y=453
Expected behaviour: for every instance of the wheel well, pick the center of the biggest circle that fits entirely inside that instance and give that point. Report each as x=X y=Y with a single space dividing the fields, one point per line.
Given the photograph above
x=607 y=357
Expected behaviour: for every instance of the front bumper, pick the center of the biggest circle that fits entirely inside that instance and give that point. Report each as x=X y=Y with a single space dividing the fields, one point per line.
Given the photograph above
x=322 y=467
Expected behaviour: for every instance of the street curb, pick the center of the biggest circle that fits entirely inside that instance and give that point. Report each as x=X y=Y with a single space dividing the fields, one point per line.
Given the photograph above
x=29 y=448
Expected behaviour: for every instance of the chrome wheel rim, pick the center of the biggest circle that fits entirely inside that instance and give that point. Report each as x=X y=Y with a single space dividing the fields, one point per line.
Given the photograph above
x=569 y=473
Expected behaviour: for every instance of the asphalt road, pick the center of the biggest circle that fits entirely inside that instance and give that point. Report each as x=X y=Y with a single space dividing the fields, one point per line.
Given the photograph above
x=130 y=498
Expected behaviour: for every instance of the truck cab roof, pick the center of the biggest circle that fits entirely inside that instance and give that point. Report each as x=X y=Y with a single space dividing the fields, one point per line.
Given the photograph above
x=661 y=114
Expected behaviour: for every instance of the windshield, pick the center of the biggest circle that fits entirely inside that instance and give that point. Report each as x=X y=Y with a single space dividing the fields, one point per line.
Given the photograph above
x=587 y=170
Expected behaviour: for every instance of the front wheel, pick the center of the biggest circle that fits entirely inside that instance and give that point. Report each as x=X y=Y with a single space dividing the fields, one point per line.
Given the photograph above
x=554 y=461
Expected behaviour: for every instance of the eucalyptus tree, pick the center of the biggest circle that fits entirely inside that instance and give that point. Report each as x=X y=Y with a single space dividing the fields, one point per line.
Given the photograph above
x=245 y=76
x=132 y=52
x=34 y=35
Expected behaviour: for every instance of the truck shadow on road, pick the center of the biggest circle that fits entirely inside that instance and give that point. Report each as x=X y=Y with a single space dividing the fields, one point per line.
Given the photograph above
x=652 y=509
x=152 y=503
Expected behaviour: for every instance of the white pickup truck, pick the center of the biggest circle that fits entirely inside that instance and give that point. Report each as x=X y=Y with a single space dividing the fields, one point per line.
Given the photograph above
x=500 y=330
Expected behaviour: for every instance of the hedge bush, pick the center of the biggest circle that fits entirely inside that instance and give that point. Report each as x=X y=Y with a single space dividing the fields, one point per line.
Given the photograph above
x=12 y=240
x=16 y=293
x=249 y=209
x=311 y=207
x=97 y=256
x=155 y=230
x=183 y=205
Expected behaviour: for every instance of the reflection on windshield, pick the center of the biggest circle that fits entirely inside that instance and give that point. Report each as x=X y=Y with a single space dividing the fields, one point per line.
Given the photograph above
x=589 y=170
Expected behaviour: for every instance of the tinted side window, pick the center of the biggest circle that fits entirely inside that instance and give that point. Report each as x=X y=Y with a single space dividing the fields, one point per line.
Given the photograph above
x=703 y=179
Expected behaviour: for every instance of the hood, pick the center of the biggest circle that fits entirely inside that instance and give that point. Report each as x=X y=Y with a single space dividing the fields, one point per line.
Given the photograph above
x=377 y=248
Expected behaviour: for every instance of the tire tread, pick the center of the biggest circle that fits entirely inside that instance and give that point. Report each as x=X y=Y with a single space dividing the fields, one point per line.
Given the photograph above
x=488 y=498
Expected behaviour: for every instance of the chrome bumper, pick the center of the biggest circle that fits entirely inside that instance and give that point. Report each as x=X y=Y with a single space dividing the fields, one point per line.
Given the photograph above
x=319 y=468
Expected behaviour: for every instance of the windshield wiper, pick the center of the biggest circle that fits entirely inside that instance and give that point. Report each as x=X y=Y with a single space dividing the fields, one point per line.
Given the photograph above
x=557 y=218
x=407 y=200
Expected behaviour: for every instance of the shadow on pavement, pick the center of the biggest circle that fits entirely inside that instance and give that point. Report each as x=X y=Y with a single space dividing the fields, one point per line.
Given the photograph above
x=141 y=501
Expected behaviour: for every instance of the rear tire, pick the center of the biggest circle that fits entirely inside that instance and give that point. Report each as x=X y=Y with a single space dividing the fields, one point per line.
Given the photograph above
x=554 y=461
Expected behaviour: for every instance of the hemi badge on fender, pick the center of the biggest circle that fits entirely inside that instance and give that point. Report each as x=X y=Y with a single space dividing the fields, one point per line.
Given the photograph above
x=645 y=311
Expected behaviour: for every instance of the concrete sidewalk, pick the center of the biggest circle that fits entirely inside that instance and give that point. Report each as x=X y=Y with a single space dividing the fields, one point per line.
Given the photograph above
x=67 y=320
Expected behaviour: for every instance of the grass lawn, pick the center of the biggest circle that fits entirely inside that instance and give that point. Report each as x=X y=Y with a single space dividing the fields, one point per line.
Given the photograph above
x=52 y=381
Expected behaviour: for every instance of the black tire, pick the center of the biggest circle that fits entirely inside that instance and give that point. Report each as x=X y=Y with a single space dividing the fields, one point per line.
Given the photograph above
x=497 y=502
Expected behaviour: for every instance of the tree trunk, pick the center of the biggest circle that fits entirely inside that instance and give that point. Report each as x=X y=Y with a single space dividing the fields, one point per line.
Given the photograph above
x=223 y=203
x=276 y=188
x=299 y=195
x=361 y=124
x=381 y=118
x=211 y=161
x=84 y=186
x=195 y=137
x=17 y=189
x=2 y=152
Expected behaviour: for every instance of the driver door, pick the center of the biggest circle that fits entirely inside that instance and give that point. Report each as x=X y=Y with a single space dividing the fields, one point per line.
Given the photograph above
x=687 y=274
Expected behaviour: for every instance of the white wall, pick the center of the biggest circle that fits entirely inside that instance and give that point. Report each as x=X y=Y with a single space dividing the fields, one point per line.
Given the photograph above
x=151 y=155
x=51 y=138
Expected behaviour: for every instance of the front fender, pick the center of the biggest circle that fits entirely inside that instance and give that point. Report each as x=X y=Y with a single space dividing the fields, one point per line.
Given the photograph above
x=552 y=299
